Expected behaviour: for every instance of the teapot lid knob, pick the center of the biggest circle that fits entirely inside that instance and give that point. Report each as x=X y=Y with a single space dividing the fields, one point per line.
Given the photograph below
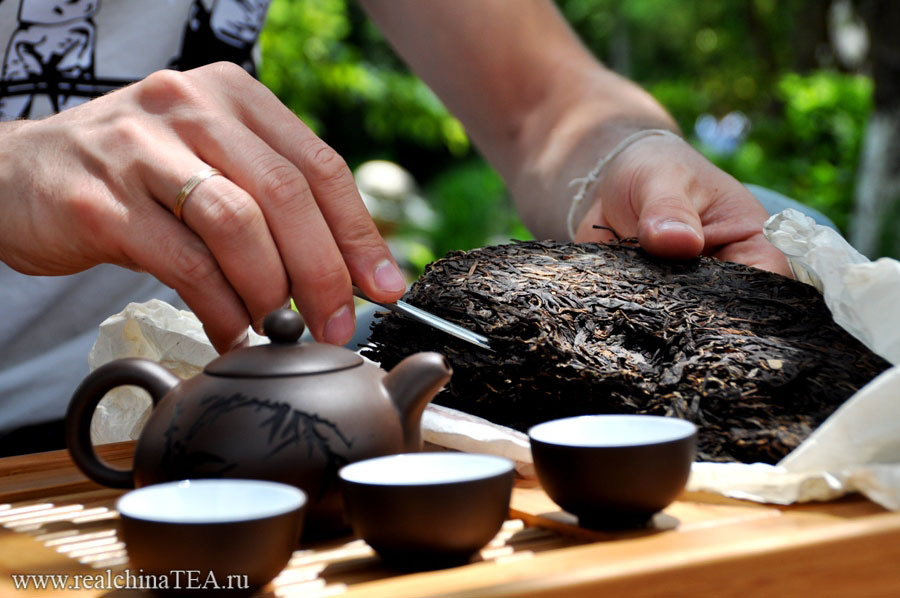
x=283 y=326
x=283 y=356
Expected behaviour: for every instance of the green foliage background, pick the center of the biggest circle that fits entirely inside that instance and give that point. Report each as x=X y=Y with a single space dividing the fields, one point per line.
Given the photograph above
x=327 y=62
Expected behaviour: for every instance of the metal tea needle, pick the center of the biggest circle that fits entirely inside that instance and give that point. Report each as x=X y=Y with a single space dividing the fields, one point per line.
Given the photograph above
x=411 y=311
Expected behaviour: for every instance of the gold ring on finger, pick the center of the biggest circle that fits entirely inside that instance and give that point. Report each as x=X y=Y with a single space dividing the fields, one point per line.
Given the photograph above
x=189 y=186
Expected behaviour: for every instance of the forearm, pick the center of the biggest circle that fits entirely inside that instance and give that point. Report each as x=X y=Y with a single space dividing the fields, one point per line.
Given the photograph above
x=11 y=191
x=536 y=103
x=567 y=145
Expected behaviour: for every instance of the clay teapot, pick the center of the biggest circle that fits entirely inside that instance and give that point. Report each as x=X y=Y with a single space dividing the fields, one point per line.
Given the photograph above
x=286 y=411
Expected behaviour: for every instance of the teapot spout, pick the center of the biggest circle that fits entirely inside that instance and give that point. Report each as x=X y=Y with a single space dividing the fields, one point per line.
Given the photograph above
x=411 y=385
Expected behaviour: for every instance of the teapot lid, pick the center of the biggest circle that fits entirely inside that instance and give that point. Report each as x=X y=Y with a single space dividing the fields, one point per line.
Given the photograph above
x=284 y=356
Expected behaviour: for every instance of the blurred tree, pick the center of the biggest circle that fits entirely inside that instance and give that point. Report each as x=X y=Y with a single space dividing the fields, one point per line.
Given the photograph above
x=772 y=60
x=761 y=58
x=327 y=62
x=330 y=65
x=876 y=229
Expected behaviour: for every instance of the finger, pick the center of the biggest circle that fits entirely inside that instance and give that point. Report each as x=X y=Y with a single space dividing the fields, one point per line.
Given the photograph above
x=594 y=228
x=319 y=277
x=311 y=261
x=368 y=258
x=669 y=226
x=758 y=252
x=210 y=125
x=734 y=232
x=180 y=259
x=658 y=209
x=753 y=250
x=365 y=253
x=232 y=226
x=665 y=223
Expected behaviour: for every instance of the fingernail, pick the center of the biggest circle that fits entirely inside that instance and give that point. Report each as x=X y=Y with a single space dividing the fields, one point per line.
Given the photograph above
x=241 y=342
x=388 y=277
x=340 y=327
x=675 y=225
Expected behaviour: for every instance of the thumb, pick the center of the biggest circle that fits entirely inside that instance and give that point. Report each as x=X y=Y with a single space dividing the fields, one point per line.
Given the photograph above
x=669 y=226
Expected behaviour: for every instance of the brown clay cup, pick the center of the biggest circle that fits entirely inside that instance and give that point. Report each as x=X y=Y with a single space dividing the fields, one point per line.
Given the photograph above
x=227 y=535
x=613 y=471
x=427 y=510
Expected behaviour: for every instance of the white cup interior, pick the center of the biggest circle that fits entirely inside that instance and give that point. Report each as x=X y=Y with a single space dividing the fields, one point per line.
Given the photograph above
x=415 y=469
x=612 y=430
x=210 y=501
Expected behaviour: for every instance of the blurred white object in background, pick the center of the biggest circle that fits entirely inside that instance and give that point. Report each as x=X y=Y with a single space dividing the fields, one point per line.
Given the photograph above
x=848 y=34
x=403 y=218
x=392 y=196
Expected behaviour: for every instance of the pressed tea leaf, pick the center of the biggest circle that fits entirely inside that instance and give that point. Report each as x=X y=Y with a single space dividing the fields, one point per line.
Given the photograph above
x=753 y=358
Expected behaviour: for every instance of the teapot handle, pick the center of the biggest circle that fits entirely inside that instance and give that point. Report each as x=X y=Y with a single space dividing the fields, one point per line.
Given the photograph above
x=149 y=375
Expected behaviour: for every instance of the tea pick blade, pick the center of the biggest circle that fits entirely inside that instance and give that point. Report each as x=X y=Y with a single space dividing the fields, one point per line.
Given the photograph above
x=415 y=313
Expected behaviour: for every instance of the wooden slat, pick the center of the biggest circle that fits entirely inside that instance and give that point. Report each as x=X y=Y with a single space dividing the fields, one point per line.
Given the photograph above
x=813 y=560
x=700 y=545
x=53 y=473
x=115 y=453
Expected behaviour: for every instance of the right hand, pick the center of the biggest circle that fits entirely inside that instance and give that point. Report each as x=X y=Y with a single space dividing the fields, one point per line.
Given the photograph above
x=679 y=205
x=97 y=183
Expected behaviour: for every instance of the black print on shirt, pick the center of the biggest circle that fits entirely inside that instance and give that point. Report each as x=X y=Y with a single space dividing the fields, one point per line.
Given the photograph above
x=51 y=52
x=226 y=31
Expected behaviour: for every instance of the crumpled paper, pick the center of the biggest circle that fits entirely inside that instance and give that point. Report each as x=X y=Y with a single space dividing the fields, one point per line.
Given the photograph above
x=861 y=295
x=856 y=449
x=156 y=331
x=454 y=429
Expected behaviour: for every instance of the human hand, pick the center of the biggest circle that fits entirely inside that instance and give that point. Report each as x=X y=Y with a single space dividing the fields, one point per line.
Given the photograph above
x=678 y=205
x=97 y=184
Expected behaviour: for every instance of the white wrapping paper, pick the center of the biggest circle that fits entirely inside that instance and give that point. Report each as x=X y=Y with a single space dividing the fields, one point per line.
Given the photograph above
x=454 y=429
x=856 y=449
x=156 y=331
x=862 y=295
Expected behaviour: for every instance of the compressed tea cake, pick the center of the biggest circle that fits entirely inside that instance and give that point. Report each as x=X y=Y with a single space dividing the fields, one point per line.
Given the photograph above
x=753 y=358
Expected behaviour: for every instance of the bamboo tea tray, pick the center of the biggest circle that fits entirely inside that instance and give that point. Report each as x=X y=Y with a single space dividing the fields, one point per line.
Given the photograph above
x=54 y=521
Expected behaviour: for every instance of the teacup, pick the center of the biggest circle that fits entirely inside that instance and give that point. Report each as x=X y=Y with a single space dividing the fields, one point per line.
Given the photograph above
x=426 y=510
x=211 y=534
x=613 y=471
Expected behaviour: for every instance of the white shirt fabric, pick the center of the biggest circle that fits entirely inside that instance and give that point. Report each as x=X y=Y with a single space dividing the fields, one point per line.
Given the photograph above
x=49 y=324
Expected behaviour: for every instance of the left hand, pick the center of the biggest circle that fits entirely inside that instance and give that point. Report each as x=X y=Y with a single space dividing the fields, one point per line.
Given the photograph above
x=679 y=205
